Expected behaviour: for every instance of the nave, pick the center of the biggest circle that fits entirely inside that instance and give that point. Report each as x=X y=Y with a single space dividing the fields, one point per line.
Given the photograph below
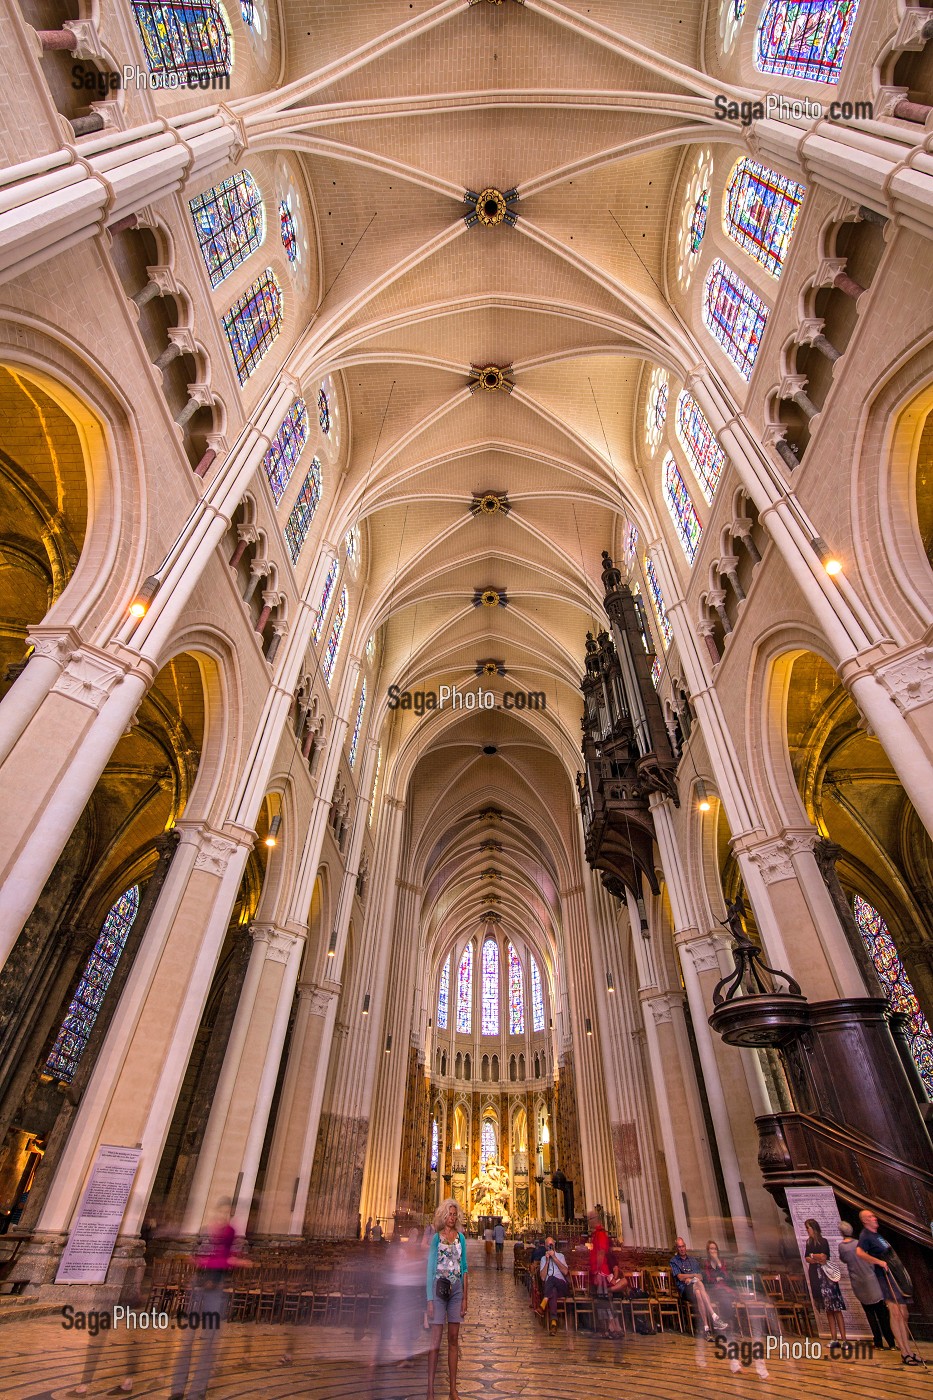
x=503 y=1352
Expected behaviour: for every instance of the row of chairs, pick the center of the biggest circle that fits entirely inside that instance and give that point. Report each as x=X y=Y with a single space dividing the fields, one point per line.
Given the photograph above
x=296 y=1294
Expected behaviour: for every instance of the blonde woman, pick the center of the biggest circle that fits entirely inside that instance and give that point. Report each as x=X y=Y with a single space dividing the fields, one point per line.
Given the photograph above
x=447 y=1290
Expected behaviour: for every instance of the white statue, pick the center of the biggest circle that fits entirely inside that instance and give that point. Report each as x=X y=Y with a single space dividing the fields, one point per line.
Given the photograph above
x=489 y=1192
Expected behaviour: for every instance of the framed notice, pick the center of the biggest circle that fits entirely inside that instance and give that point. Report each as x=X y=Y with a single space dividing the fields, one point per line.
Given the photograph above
x=86 y=1257
x=819 y=1203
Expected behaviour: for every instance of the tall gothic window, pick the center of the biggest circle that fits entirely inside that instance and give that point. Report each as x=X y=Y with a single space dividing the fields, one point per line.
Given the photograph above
x=537 y=998
x=465 y=991
x=656 y=407
x=490 y=998
x=516 y=995
x=897 y=986
x=734 y=315
x=302 y=512
x=75 y=1032
x=333 y=641
x=323 y=411
x=805 y=38
x=326 y=595
x=230 y=222
x=759 y=212
x=629 y=543
x=358 y=724
x=683 y=513
x=704 y=454
x=443 y=995
x=694 y=217
x=657 y=598
x=253 y=323
x=287 y=230
x=285 y=449
x=187 y=42
x=435 y=1145
x=657 y=671
x=488 y=1146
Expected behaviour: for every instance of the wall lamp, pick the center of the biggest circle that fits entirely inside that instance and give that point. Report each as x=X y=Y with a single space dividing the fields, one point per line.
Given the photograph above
x=830 y=562
x=147 y=591
x=275 y=826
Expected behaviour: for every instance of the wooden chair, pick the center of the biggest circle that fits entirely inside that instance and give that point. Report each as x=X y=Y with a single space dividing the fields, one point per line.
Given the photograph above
x=640 y=1307
x=665 y=1298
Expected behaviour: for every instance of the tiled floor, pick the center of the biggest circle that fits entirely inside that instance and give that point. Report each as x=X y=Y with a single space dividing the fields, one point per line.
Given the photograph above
x=505 y=1353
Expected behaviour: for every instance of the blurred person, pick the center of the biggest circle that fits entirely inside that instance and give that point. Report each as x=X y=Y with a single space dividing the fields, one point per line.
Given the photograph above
x=866 y=1288
x=207 y=1305
x=719 y=1283
x=601 y=1263
x=688 y=1276
x=447 y=1284
x=894 y=1280
x=498 y=1235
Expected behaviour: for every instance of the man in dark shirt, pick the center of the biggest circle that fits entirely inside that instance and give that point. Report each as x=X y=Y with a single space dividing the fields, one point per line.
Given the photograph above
x=876 y=1250
x=866 y=1288
x=688 y=1276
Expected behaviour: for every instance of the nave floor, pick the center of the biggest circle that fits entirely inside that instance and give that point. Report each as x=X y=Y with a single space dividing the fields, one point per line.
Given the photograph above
x=504 y=1353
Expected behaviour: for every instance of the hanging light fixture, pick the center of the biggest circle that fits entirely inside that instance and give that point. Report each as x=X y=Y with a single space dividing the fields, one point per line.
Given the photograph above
x=275 y=826
x=703 y=802
x=831 y=563
x=332 y=945
x=388 y=1044
x=147 y=591
x=610 y=984
x=366 y=1004
x=589 y=1025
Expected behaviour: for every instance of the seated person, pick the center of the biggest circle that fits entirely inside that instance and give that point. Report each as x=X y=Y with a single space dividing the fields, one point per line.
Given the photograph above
x=688 y=1276
x=619 y=1285
x=555 y=1280
x=719 y=1282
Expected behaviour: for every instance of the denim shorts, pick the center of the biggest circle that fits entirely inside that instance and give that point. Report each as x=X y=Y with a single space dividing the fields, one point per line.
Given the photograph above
x=448 y=1311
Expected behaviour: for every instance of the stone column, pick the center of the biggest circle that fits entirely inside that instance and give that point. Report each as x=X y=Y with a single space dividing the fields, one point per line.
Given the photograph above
x=131 y=1094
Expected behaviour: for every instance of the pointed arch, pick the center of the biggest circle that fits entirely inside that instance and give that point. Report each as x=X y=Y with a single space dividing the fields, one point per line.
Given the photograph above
x=253 y=323
x=490 y=993
x=302 y=512
x=285 y=450
x=443 y=996
x=333 y=641
x=734 y=315
x=897 y=985
x=682 y=510
x=704 y=453
x=537 y=998
x=516 y=994
x=465 y=991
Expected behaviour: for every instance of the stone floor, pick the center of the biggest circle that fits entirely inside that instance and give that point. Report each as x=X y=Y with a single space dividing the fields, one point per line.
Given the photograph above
x=505 y=1353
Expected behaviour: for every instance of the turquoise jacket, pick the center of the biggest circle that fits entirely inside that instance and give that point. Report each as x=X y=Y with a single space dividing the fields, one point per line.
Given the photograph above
x=432 y=1262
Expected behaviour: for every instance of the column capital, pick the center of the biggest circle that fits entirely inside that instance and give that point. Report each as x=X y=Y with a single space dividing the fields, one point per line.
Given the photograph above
x=318 y=996
x=58 y=644
x=214 y=850
x=661 y=1005
x=908 y=678
x=774 y=856
x=279 y=943
x=89 y=676
x=703 y=949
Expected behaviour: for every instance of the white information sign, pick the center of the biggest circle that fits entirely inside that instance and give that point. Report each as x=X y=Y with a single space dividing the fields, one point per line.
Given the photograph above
x=819 y=1203
x=86 y=1257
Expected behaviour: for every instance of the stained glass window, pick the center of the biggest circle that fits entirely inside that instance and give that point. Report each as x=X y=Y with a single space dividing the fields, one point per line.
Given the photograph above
x=629 y=543
x=657 y=598
x=287 y=231
x=656 y=406
x=683 y=513
x=323 y=411
x=759 y=212
x=253 y=323
x=352 y=545
x=76 y=1028
x=897 y=986
x=490 y=987
x=657 y=669
x=302 y=512
x=698 y=221
x=704 y=454
x=537 y=998
x=805 y=38
x=285 y=449
x=435 y=1145
x=187 y=43
x=372 y=800
x=443 y=994
x=516 y=995
x=333 y=641
x=230 y=222
x=326 y=595
x=465 y=991
x=358 y=724
x=247 y=12
x=734 y=315
x=488 y=1146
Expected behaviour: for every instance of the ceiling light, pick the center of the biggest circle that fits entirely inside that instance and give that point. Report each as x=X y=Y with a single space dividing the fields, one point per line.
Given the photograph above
x=610 y=984
x=366 y=1004
x=275 y=827
x=703 y=802
x=388 y=1044
x=589 y=1026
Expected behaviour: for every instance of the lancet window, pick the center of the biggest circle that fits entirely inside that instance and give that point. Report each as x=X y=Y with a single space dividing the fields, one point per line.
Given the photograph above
x=184 y=41
x=490 y=998
x=333 y=641
x=897 y=985
x=465 y=991
x=683 y=512
x=537 y=998
x=443 y=995
x=230 y=222
x=516 y=994
x=805 y=38
x=657 y=599
x=734 y=315
x=759 y=212
x=253 y=323
x=357 y=725
x=326 y=595
x=704 y=454
x=287 y=230
x=302 y=512
x=75 y=1032
x=286 y=448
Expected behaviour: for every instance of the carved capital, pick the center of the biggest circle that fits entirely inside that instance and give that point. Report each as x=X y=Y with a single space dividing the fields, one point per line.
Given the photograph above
x=775 y=857
x=89 y=677
x=58 y=645
x=703 y=951
x=214 y=851
x=909 y=679
x=661 y=1006
x=317 y=998
x=278 y=944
